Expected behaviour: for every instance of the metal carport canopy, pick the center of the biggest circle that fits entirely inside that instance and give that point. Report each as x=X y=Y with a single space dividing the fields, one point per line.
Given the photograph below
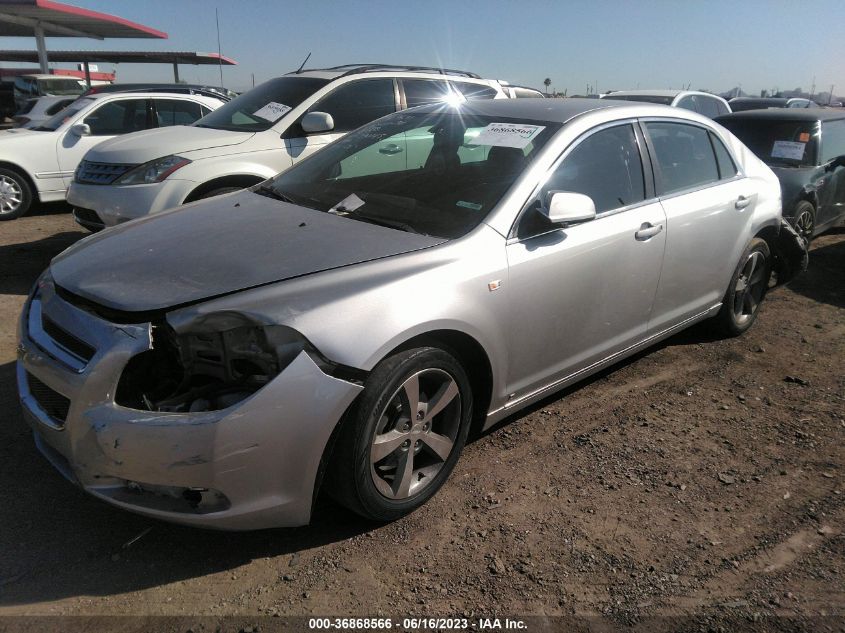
x=126 y=57
x=43 y=18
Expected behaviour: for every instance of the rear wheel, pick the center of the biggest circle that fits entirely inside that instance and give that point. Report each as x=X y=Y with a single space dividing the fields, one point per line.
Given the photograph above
x=748 y=287
x=15 y=195
x=404 y=436
x=805 y=220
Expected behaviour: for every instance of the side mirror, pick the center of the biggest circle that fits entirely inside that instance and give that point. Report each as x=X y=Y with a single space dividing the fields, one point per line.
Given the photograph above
x=314 y=122
x=81 y=129
x=565 y=207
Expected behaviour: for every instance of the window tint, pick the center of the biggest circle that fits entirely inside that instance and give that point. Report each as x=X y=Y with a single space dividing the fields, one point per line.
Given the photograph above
x=58 y=106
x=727 y=169
x=357 y=103
x=684 y=154
x=527 y=93
x=687 y=103
x=776 y=141
x=119 y=117
x=605 y=166
x=707 y=106
x=424 y=91
x=176 y=112
x=833 y=140
x=474 y=91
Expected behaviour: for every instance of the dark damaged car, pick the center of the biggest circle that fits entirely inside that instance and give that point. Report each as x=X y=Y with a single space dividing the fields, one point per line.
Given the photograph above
x=341 y=326
x=806 y=150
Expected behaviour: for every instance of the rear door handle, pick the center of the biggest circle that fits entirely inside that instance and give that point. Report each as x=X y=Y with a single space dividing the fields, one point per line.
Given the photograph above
x=648 y=230
x=390 y=149
x=742 y=202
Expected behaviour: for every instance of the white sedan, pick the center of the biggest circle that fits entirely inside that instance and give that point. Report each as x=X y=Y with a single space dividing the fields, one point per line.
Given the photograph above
x=37 y=164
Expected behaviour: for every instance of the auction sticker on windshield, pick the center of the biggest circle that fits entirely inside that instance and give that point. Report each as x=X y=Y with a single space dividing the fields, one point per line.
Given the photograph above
x=507 y=135
x=788 y=149
x=272 y=111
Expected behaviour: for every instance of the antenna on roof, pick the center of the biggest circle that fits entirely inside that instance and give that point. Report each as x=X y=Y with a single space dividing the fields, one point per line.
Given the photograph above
x=305 y=61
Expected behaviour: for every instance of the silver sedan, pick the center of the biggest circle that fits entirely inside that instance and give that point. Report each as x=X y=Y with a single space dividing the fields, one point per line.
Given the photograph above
x=341 y=327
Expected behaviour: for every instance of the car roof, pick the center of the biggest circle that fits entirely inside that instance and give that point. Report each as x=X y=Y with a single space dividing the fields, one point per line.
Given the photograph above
x=786 y=114
x=553 y=110
x=659 y=93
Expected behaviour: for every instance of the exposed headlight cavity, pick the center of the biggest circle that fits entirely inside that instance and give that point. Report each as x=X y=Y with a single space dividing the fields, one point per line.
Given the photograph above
x=224 y=358
x=153 y=171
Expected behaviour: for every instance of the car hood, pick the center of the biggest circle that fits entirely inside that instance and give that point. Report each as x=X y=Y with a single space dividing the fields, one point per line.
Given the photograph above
x=216 y=247
x=146 y=145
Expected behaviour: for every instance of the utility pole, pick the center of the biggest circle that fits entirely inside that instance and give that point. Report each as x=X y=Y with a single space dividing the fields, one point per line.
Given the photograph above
x=830 y=95
x=813 y=88
x=219 y=54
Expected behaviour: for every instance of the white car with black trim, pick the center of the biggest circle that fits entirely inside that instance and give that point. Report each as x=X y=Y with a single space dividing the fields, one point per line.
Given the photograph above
x=37 y=164
x=256 y=136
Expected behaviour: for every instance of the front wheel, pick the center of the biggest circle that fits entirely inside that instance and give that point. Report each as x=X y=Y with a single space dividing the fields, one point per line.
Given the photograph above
x=403 y=437
x=748 y=287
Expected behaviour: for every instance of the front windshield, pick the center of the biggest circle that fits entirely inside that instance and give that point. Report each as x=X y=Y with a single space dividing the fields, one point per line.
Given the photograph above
x=259 y=108
x=643 y=98
x=435 y=173
x=60 y=87
x=62 y=116
x=778 y=143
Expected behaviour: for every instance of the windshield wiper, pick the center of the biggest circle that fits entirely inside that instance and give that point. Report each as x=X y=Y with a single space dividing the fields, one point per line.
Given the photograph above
x=270 y=192
x=391 y=224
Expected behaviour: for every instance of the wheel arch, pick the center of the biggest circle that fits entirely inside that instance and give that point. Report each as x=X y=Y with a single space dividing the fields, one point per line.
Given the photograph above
x=230 y=180
x=468 y=352
x=4 y=164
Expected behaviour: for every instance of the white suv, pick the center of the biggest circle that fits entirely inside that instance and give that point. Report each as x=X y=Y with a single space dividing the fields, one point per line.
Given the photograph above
x=255 y=136
x=38 y=163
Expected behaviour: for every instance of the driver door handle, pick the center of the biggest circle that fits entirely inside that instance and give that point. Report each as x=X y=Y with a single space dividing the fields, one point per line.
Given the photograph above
x=390 y=149
x=742 y=202
x=648 y=230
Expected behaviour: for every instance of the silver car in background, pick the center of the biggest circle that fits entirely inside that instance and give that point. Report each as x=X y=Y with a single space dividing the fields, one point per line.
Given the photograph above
x=340 y=327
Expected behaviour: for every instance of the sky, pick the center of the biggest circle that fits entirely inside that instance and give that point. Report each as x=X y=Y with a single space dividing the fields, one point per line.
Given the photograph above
x=608 y=44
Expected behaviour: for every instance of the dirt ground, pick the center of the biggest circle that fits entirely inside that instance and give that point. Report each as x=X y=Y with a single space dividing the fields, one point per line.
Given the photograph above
x=702 y=479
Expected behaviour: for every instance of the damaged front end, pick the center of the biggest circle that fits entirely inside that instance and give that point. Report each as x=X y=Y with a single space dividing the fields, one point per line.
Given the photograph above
x=791 y=254
x=220 y=360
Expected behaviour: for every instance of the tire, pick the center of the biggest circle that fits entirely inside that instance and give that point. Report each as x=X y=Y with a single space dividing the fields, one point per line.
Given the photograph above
x=804 y=220
x=746 y=291
x=218 y=192
x=15 y=195
x=369 y=471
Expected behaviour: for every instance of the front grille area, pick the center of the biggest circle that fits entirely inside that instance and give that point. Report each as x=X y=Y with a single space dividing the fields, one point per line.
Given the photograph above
x=52 y=402
x=62 y=337
x=90 y=173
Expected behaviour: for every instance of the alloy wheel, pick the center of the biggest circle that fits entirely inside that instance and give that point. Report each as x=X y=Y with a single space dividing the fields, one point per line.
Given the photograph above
x=11 y=195
x=804 y=224
x=415 y=434
x=750 y=287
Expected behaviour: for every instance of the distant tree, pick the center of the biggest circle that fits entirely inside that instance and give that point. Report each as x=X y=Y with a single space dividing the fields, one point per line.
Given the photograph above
x=547 y=82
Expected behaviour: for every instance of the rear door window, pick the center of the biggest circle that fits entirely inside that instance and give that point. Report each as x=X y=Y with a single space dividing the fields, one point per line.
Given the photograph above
x=425 y=91
x=727 y=168
x=176 y=112
x=684 y=155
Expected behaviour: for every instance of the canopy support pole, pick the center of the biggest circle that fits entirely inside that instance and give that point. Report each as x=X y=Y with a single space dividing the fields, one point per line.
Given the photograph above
x=175 y=72
x=42 y=48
